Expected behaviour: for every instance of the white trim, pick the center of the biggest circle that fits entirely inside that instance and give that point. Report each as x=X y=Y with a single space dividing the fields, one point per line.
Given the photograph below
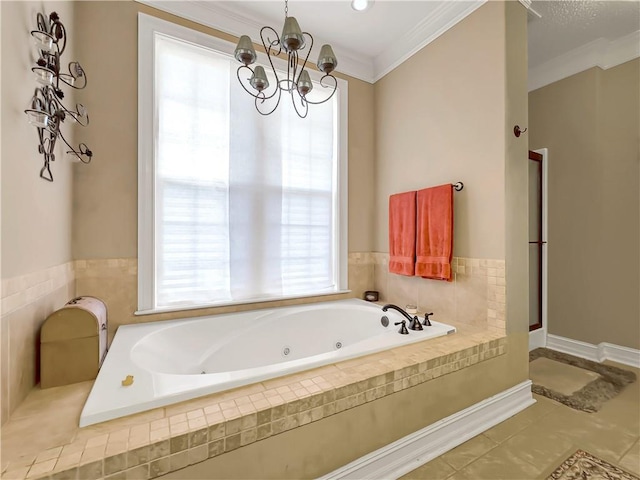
x=343 y=186
x=146 y=125
x=538 y=338
x=530 y=11
x=620 y=354
x=426 y=31
x=147 y=129
x=599 y=53
x=226 y=18
x=183 y=308
x=597 y=353
x=416 y=449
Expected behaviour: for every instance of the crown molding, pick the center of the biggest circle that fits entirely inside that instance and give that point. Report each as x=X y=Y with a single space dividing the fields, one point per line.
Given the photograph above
x=370 y=69
x=599 y=53
x=228 y=20
x=442 y=19
x=530 y=11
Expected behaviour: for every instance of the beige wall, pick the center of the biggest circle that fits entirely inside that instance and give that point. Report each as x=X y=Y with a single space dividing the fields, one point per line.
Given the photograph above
x=444 y=115
x=37 y=277
x=36 y=214
x=516 y=172
x=440 y=119
x=105 y=195
x=590 y=124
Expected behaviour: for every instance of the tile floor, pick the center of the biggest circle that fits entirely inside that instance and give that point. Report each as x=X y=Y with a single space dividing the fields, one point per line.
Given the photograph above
x=534 y=442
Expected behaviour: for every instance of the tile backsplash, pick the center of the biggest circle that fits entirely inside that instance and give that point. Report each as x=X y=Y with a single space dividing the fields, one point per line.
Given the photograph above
x=26 y=302
x=476 y=296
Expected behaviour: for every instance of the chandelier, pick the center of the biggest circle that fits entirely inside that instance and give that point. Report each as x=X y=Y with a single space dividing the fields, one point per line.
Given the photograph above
x=294 y=43
x=47 y=111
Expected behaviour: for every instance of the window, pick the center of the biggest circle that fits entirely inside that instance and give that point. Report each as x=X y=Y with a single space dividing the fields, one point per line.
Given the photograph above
x=233 y=206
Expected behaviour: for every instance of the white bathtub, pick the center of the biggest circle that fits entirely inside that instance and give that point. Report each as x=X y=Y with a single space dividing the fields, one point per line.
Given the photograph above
x=173 y=361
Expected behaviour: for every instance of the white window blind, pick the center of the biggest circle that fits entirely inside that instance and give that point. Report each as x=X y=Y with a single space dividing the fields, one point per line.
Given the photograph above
x=245 y=206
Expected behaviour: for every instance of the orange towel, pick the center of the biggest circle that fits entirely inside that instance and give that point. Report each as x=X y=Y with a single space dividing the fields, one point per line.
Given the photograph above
x=434 y=243
x=402 y=233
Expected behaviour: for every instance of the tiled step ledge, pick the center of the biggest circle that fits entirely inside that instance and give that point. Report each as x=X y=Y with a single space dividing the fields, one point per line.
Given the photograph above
x=193 y=431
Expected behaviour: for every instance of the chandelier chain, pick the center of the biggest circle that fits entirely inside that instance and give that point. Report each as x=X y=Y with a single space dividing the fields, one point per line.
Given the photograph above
x=286 y=8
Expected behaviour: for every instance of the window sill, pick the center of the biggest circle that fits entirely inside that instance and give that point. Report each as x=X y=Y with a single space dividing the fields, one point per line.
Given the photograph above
x=180 y=308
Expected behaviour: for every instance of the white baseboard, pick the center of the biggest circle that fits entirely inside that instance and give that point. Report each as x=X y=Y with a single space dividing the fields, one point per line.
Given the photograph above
x=410 y=452
x=598 y=353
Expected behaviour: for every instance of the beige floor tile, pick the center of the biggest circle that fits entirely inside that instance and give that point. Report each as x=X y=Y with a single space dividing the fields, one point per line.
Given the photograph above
x=589 y=433
x=623 y=411
x=466 y=453
x=436 y=469
x=631 y=460
x=499 y=464
x=535 y=441
x=540 y=446
x=518 y=422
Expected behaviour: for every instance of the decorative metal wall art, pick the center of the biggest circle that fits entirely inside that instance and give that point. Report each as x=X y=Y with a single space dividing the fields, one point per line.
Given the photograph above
x=47 y=112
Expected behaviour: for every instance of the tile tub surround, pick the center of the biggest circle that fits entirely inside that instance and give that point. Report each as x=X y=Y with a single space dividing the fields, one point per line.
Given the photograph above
x=26 y=302
x=115 y=281
x=477 y=295
x=43 y=441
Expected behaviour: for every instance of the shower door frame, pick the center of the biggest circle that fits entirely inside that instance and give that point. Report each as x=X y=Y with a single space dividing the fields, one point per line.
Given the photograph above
x=538 y=332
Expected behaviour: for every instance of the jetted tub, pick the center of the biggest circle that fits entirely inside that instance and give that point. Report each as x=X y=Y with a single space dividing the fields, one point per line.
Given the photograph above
x=173 y=361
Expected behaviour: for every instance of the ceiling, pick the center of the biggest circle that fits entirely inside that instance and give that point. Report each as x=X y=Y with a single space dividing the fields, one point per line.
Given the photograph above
x=569 y=24
x=369 y=44
x=358 y=33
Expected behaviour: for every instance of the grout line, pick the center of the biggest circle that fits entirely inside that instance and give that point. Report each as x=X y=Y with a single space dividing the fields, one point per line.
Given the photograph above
x=629 y=449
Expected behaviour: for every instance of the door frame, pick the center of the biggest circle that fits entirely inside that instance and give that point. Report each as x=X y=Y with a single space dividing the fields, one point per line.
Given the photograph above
x=538 y=337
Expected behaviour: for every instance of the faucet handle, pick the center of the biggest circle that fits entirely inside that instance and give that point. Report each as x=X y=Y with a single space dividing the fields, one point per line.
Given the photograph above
x=427 y=322
x=403 y=329
x=415 y=324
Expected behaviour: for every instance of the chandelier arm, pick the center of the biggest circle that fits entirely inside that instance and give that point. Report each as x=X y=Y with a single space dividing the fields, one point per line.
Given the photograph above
x=260 y=96
x=335 y=87
x=292 y=66
x=304 y=103
x=308 y=53
x=267 y=50
x=271 y=43
x=279 y=91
